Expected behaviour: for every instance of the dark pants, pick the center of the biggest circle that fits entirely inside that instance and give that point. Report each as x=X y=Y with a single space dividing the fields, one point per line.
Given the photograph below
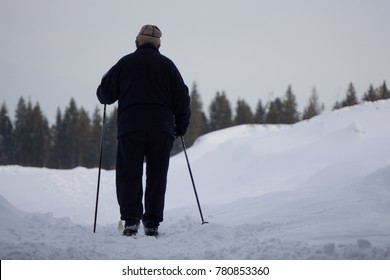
x=155 y=147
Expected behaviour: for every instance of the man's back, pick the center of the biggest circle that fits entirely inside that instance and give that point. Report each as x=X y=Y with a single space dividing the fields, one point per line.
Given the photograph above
x=147 y=77
x=149 y=90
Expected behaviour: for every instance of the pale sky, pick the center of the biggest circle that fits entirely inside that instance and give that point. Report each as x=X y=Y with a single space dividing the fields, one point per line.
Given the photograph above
x=53 y=50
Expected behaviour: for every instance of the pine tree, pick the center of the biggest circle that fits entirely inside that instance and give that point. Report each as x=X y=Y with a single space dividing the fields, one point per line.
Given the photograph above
x=275 y=114
x=243 y=114
x=58 y=146
x=350 y=99
x=40 y=137
x=20 y=137
x=220 y=112
x=94 y=139
x=69 y=140
x=383 y=92
x=260 y=113
x=283 y=111
x=83 y=139
x=370 y=95
x=290 y=113
x=313 y=107
x=110 y=141
x=6 y=130
x=198 y=122
x=31 y=137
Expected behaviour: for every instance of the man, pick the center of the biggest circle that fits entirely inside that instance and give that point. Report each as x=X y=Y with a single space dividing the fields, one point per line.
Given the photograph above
x=153 y=107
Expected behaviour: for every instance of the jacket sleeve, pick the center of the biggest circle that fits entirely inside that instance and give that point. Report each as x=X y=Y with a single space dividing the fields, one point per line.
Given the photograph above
x=181 y=105
x=108 y=90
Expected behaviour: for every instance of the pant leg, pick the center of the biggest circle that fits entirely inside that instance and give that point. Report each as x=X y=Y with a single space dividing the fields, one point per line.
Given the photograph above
x=159 y=146
x=129 y=170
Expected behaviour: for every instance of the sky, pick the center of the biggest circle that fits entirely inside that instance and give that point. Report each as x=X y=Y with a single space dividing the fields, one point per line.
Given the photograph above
x=52 y=51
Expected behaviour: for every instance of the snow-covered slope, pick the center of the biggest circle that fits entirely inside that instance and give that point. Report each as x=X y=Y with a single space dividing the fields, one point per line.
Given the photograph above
x=316 y=189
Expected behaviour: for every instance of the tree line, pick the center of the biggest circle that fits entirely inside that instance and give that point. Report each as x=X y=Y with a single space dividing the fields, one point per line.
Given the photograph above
x=74 y=139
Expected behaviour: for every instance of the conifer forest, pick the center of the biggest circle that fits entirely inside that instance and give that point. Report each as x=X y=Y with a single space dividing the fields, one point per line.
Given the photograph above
x=28 y=139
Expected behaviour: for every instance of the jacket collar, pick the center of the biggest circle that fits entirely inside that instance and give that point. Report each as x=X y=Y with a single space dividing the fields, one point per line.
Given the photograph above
x=147 y=46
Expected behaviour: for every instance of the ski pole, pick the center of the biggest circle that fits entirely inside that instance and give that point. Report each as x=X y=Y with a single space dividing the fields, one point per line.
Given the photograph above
x=100 y=167
x=192 y=180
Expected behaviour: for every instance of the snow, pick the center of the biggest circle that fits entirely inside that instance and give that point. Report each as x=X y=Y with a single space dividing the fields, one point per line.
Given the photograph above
x=319 y=189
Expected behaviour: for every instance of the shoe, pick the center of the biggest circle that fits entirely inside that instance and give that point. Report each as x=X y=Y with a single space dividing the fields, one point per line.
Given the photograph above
x=151 y=232
x=130 y=230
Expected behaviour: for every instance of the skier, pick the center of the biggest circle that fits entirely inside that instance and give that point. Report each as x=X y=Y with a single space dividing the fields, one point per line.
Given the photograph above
x=153 y=108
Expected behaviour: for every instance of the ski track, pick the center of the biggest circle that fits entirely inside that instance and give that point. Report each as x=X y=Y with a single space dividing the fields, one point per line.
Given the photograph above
x=41 y=236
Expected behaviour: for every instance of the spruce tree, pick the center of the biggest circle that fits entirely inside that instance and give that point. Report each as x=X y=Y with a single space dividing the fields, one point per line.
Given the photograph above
x=350 y=98
x=313 y=107
x=198 y=123
x=243 y=114
x=6 y=130
x=20 y=136
x=31 y=137
x=83 y=139
x=220 y=112
x=110 y=141
x=275 y=114
x=383 y=92
x=40 y=137
x=58 y=147
x=370 y=95
x=260 y=113
x=94 y=139
x=70 y=142
x=290 y=113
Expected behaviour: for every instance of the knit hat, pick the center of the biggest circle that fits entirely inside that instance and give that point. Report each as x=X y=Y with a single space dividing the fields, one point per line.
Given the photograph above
x=149 y=34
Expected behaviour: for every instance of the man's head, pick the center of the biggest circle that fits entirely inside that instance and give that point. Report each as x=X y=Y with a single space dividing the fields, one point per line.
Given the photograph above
x=149 y=34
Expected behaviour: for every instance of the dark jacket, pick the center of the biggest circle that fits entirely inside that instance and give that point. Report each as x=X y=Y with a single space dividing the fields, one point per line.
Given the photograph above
x=150 y=91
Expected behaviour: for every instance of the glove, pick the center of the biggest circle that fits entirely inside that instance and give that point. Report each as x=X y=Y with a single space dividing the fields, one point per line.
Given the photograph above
x=179 y=132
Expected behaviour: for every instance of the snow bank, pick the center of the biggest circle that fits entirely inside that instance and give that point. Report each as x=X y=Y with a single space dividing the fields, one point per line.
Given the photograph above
x=319 y=189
